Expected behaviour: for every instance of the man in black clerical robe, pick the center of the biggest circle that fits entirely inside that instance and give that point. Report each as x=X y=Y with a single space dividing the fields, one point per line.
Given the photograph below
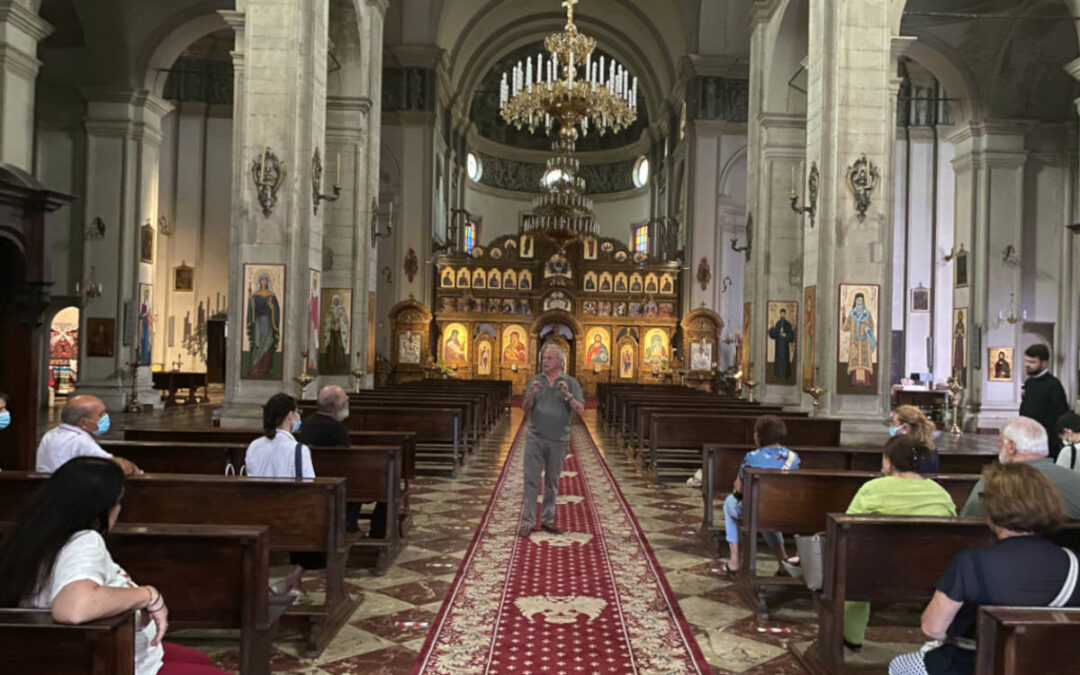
x=324 y=429
x=1044 y=397
x=783 y=334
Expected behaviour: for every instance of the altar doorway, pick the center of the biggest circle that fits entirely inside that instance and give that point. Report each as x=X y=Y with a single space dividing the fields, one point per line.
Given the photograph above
x=561 y=335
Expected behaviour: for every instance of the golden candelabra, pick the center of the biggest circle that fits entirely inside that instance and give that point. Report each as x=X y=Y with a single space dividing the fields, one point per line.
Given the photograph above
x=956 y=390
x=750 y=383
x=303 y=379
x=358 y=372
x=817 y=392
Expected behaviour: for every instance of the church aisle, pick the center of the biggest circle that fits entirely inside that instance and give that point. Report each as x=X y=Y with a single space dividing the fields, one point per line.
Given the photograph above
x=592 y=599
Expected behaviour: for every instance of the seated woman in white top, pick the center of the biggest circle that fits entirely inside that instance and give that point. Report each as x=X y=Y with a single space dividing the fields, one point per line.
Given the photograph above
x=277 y=454
x=55 y=557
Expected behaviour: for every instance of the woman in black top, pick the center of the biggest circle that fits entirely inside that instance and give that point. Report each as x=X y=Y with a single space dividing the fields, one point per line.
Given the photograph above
x=1020 y=569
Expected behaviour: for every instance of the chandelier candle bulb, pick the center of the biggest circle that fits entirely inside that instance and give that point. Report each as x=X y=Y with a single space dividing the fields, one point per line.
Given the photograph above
x=570 y=72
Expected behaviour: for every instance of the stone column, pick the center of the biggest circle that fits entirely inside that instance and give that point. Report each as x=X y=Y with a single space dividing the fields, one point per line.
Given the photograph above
x=989 y=167
x=279 y=107
x=20 y=31
x=123 y=129
x=851 y=111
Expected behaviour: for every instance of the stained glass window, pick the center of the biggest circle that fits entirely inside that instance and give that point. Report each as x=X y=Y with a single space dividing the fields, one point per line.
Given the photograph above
x=470 y=237
x=641 y=239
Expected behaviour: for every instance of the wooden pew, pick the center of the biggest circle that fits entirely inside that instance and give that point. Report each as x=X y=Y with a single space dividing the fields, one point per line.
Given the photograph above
x=470 y=408
x=302 y=515
x=212 y=577
x=798 y=502
x=31 y=642
x=1021 y=640
x=438 y=433
x=641 y=417
x=372 y=474
x=861 y=551
x=676 y=441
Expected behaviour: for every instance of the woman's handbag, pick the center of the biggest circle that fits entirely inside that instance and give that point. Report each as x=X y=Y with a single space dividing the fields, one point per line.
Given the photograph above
x=811 y=558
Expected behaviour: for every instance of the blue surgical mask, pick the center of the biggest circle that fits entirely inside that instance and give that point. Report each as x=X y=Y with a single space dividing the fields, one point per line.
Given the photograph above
x=5 y=419
x=102 y=425
x=894 y=430
x=296 y=425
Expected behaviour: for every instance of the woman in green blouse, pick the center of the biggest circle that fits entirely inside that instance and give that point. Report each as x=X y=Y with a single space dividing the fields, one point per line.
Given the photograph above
x=902 y=491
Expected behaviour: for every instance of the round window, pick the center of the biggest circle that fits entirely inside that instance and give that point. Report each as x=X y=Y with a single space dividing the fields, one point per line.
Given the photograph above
x=473 y=167
x=641 y=172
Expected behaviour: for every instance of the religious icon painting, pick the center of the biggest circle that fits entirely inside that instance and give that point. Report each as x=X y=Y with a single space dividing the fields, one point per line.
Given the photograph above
x=636 y=283
x=809 y=315
x=603 y=308
x=496 y=253
x=146 y=243
x=336 y=331
x=667 y=284
x=667 y=310
x=781 y=323
x=483 y=357
x=649 y=309
x=605 y=284
x=655 y=350
x=508 y=306
x=100 y=337
x=409 y=348
x=959 y=351
x=557 y=266
x=371 y=332
x=652 y=283
x=590 y=283
x=515 y=343
x=960 y=268
x=598 y=349
x=183 y=278
x=494 y=306
x=494 y=279
x=510 y=280
x=144 y=334
x=621 y=283
x=634 y=309
x=525 y=252
x=525 y=280
x=479 y=279
x=589 y=247
x=446 y=277
x=620 y=309
x=311 y=343
x=857 y=350
x=455 y=346
x=262 y=349
x=558 y=300
x=920 y=300
x=626 y=362
x=701 y=355
x=463 y=278
x=523 y=307
x=744 y=342
x=1001 y=364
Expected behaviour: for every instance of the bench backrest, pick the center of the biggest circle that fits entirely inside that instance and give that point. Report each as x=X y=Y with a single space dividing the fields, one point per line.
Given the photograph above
x=694 y=431
x=1022 y=640
x=31 y=642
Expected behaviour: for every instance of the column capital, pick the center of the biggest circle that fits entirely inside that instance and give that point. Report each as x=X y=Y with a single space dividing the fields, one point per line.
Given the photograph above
x=899 y=44
x=361 y=104
x=763 y=11
x=235 y=19
x=25 y=19
x=15 y=60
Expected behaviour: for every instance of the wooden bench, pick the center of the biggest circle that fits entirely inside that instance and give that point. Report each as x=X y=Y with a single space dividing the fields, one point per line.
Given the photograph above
x=798 y=502
x=302 y=515
x=1022 y=640
x=31 y=642
x=437 y=433
x=471 y=410
x=641 y=415
x=676 y=441
x=861 y=551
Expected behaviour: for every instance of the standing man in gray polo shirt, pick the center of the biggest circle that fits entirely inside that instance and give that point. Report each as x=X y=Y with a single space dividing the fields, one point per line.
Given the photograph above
x=550 y=398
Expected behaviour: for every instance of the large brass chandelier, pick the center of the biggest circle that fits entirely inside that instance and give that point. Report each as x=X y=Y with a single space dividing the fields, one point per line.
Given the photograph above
x=569 y=88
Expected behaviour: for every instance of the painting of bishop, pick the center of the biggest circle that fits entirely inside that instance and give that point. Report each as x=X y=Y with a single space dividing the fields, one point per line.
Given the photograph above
x=858 y=343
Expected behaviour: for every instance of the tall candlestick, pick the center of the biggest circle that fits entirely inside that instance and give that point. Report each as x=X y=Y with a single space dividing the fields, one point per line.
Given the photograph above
x=262 y=165
x=391 y=217
x=337 y=181
x=793 y=179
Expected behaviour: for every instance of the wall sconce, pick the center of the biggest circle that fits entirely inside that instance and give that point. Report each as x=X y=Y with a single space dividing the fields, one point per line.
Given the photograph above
x=1011 y=315
x=375 y=234
x=91 y=289
x=811 y=208
x=953 y=253
x=316 y=182
x=1010 y=256
x=749 y=238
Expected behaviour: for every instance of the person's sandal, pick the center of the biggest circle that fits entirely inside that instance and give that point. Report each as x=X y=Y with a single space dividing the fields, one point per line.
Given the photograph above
x=727 y=571
x=524 y=530
x=793 y=569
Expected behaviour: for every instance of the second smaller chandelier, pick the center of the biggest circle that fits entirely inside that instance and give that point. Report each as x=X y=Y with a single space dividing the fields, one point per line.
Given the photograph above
x=569 y=86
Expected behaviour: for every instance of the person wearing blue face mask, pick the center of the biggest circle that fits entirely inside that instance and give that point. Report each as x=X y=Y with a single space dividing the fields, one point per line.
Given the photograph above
x=83 y=418
x=277 y=454
x=907 y=420
x=5 y=414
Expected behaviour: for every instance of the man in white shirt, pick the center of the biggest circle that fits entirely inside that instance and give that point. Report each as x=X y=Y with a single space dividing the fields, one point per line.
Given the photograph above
x=81 y=419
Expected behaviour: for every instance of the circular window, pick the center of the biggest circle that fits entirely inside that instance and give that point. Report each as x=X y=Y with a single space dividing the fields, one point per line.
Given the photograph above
x=641 y=172
x=473 y=167
x=552 y=176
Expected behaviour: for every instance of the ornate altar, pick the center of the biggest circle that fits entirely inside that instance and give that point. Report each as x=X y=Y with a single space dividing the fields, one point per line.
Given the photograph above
x=410 y=323
x=701 y=331
x=614 y=312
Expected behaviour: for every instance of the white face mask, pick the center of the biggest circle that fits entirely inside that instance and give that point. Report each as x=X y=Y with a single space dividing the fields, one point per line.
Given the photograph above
x=343 y=413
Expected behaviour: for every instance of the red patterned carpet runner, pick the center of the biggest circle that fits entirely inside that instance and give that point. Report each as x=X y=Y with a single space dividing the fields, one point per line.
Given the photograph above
x=592 y=600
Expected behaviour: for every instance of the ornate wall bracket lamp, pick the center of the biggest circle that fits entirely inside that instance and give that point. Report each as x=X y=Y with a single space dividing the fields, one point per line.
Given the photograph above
x=375 y=234
x=862 y=178
x=268 y=173
x=811 y=208
x=749 y=238
x=316 y=182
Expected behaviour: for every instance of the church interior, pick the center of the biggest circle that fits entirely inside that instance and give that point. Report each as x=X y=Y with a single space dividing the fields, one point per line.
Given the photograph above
x=712 y=210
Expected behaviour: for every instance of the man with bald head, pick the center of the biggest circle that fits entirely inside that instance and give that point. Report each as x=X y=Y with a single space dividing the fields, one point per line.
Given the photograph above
x=81 y=419
x=1023 y=439
x=324 y=429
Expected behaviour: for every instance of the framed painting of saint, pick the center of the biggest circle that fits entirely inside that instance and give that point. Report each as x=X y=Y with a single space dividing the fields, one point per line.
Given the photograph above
x=858 y=344
x=620 y=283
x=526 y=252
x=655 y=350
x=782 y=319
x=515 y=341
x=626 y=361
x=313 y=317
x=483 y=357
x=409 y=348
x=100 y=337
x=146 y=243
x=959 y=343
x=479 y=279
x=144 y=327
x=636 y=283
x=263 y=346
x=510 y=280
x=455 y=346
x=335 y=326
x=1001 y=364
x=494 y=279
x=652 y=283
x=590 y=283
x=809 y=315
x=701 y=356
x=446 y=278
x=589 y=247
x=605 y=285
x=920 y=300
x=598 y=350
x=960 y=268
x=667 y=284
x=525 y=280
x=463 y=278
x=183 y=278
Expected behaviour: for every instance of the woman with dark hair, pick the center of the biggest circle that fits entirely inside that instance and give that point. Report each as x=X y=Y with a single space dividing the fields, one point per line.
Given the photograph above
x=902 y=491
x=55 y=557
x=1022 y=569
x=770 y=432
x=277 y=454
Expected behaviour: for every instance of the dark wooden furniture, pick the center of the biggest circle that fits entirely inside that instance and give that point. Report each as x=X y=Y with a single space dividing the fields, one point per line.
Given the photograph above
x=31 y=642
x=172 y=381
x=1022 y=640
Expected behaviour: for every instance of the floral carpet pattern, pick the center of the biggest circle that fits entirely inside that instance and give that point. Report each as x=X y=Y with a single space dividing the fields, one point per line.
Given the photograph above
x=590 y=600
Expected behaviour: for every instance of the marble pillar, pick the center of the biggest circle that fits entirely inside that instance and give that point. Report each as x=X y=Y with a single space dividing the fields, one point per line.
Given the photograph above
x=21 y=29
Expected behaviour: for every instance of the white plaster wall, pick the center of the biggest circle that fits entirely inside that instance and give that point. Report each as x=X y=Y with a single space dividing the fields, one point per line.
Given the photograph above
x=59 y=166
